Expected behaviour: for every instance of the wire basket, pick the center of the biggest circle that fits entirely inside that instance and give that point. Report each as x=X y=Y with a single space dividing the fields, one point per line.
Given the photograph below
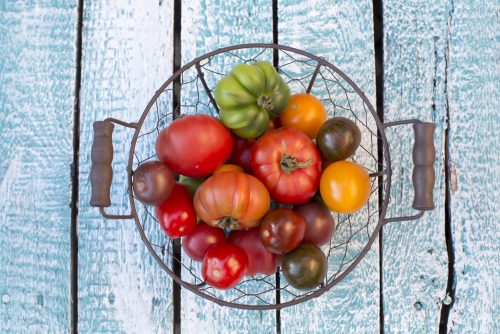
x=190 y=91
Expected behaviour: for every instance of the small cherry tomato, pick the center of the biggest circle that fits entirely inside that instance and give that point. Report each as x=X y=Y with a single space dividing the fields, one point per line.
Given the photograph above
x=153 y=182
x=305 y=267
x=260 y=260
x=228 y=168
x=338 y=138
x=282 y=230
x=199 y=240
x=345 y=187
x=224 y=266
x=319 y=223
x=176 y=214
x=304 y=112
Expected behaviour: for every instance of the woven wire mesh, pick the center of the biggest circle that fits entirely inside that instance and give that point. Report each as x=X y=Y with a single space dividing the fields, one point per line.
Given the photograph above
x=353 y=233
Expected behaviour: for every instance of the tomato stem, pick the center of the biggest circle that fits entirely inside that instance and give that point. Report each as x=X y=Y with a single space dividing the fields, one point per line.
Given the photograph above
x=227 y=223
x=265 y=102
x=289 y=163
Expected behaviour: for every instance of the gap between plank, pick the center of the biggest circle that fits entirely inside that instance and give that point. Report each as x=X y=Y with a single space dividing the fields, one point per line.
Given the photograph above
x=75 y=173
x=450 y=285
x=176 y=99
x=378 y=39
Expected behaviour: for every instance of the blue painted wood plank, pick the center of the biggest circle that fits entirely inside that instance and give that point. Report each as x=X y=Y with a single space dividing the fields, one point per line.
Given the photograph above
x=414 y=253
x=207 y=26
x=473 y=95
x=37 y=73
x=127 y=54
x=342 y=33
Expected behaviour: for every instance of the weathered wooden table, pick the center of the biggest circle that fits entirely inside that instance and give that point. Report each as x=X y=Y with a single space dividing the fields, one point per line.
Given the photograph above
x=65 y=64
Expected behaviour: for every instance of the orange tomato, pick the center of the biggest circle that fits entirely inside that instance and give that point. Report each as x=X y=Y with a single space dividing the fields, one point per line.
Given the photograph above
x=232 y=199
x=305 y=113
x=228 y=168
x=345 y=187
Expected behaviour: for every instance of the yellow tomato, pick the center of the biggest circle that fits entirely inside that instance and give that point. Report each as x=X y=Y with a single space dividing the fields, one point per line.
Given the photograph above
x=345 y=187
x=305 y=113
x=228 y=168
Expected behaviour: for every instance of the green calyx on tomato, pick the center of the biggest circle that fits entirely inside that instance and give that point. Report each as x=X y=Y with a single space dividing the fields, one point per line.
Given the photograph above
x=289 y=163
x=249 y=97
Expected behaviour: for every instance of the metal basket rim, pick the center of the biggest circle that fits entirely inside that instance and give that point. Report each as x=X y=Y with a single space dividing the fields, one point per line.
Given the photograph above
x=382 y=210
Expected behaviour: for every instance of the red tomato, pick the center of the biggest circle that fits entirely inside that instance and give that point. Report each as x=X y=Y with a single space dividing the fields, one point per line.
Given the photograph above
x=282 y=230
x=260 y=260
x=176 y=214
x=196 y=243
x=194 y=145
x=224 y=266
x=241 y=152
x=319 y=223
x=289 y=165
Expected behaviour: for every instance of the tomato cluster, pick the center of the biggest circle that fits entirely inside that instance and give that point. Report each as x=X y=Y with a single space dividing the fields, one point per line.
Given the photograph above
x=244 y=202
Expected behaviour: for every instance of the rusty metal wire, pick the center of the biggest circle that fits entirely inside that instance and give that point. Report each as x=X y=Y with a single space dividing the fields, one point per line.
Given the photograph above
x=303 y=72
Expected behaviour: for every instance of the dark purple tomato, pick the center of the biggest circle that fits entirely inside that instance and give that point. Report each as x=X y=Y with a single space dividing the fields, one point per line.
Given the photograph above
x=153 y=182
x=282 y=230
x=338 y=138
x=199 y=240
x=260 y=260
x=305 y=267
x=320 y=224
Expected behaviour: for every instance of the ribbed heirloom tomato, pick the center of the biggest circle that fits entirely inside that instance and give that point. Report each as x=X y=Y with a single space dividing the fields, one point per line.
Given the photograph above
x=232 y=200
x=288 y=163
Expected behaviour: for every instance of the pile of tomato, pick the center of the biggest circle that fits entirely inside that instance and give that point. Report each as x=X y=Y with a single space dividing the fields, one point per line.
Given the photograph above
x=255 y=187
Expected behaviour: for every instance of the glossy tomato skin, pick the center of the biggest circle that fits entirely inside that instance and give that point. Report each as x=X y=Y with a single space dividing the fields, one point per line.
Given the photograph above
x=276 y=150
x=282 y=230
x=194 y=145
x=232 y=200
x=345 y=187
x=338 y=138
x=153 y=182
x=200 y=239
x=240 y=155
x=260 y=260
x=306 y=113
x=224 y=266
x=320 y=224
x=305 y=267
x=176 y=214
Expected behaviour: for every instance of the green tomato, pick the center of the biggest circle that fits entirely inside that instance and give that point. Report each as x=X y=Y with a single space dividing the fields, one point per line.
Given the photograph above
x=305 y=267
x=191 y=183
x=249 y=97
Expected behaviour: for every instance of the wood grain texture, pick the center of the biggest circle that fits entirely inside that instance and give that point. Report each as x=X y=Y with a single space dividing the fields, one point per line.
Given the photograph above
x=207 y=26
x=127 y=54
x=342 y=33
x=414 y=253
x=473 y=89
x=37 y=73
